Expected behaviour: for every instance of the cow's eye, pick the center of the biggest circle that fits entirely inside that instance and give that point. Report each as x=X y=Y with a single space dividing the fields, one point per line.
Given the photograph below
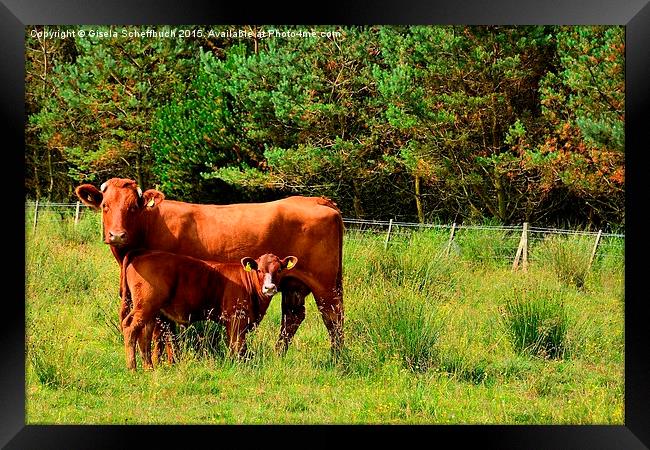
x=131 y=208
x=105 y=206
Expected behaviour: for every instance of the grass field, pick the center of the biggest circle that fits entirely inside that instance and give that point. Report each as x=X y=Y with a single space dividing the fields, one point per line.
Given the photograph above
x=429 y=340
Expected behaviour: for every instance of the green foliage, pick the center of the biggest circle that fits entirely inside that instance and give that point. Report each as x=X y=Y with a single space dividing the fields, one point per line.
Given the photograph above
x=449 y=123
x=583 y=103
x=109 y=92
x=465 y=365
x=203 y=339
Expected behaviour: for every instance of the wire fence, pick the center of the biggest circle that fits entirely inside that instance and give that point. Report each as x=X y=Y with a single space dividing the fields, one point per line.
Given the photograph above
x=508 y=244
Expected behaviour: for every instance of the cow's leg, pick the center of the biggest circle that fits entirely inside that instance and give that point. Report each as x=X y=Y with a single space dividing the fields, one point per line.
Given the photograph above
x=293 y=311
x=144 y=342
x=330 y=305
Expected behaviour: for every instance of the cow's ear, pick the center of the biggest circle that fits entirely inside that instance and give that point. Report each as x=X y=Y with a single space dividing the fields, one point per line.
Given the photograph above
x=89 y=195
x=289 y=262
x=152 y=197
x=249 y=263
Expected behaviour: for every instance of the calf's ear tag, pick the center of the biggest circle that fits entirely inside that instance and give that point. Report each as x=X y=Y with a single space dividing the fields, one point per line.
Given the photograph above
x=248 y=267
x=290 y=264
x=150 y=203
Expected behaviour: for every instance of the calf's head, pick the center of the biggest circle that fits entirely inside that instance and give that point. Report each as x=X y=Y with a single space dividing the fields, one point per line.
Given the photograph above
x=268 y=268
x=122 y=204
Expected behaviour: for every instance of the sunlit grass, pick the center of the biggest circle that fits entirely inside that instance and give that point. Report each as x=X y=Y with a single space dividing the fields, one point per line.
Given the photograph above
x=428 y=340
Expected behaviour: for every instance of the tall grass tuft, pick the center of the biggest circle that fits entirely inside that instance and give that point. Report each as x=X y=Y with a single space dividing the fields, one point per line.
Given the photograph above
x=487 y=248
x=201 y=339
x=87 y=230
x=55 y=356
x=402 y=326
x=568 y=257
x=464 y=364
x=418 y=265
x=536 y=320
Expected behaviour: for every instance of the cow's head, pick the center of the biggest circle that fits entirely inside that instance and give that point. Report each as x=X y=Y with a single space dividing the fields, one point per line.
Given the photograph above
x=268 y=269
x=122 y=204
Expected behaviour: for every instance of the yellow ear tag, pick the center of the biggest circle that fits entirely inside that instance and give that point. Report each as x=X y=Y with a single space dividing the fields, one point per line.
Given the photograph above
x=290 y=264
x=151 y=203
x=248 y=267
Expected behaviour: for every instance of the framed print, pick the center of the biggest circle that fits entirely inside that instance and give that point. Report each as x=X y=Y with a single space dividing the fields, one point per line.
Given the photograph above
x=333 y=222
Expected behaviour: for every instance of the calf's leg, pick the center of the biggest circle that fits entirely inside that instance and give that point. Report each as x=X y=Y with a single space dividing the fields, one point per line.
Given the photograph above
x=131 y=330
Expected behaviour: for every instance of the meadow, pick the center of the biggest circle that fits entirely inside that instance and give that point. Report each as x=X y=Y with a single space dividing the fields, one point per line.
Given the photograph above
x=430 y=338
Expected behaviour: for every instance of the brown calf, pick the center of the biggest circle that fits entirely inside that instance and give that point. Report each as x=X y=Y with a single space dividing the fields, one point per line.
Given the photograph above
x=186 y=289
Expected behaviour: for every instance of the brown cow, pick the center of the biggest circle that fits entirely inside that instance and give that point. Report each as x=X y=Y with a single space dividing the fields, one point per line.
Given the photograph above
x=187 y=289
x=310 y=228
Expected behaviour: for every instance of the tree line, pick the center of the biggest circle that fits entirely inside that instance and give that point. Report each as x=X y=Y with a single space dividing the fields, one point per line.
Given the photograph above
x=421 y=123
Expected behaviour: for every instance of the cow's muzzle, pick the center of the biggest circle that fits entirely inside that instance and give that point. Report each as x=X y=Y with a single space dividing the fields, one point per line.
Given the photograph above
x=117 y=238
x=269 y=290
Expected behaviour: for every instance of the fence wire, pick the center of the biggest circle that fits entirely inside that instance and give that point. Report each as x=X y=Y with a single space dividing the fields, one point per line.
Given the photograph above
x=496 y=243
x=482 y=242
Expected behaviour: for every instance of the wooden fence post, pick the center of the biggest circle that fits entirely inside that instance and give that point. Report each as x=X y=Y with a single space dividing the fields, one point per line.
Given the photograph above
x=522 y=250
x=451 y=238
x=593 y=252
x=390 y=226
x=35 y=214
x=76 y=214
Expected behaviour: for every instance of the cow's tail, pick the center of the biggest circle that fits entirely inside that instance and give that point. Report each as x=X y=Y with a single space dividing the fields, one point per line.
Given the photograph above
x=341 y=229
x=339 y=278
x=325 y=201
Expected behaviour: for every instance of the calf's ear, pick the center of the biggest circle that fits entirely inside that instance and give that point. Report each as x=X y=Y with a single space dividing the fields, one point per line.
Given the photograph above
x=152 y=197
x=289 y=262
x=249 y=263
x=89 y=195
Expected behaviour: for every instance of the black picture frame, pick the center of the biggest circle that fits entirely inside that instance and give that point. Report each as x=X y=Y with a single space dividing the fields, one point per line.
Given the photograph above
x=634 y=14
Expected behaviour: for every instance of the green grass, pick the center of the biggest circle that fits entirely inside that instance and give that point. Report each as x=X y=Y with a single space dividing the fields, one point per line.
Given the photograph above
x=429 y=339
